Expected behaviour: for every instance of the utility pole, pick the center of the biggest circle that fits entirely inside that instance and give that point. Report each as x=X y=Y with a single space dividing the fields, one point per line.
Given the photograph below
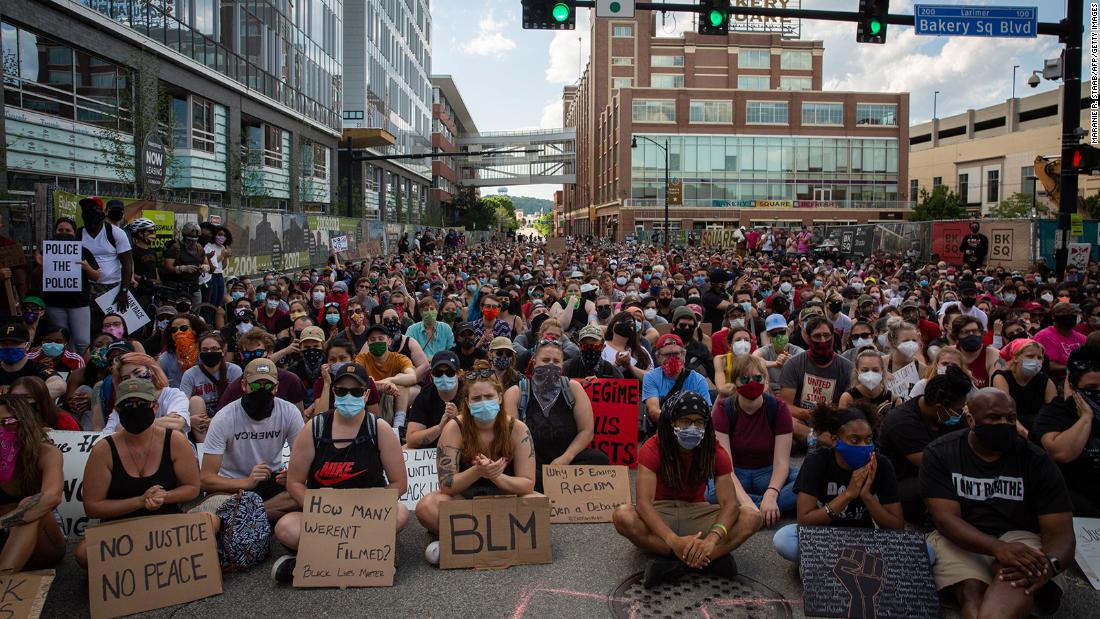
x=1071 y=120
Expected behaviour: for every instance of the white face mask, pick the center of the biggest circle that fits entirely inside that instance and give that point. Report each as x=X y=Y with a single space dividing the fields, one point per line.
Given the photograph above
x=870 y=379
x=741 y=348
x=650 y=313
x=883 y=341
x=861 y=342
x=1046 y=296
x=1031 y=367
x=909 y=349
x=737 y=323
x=785 y=287
x=941 y=370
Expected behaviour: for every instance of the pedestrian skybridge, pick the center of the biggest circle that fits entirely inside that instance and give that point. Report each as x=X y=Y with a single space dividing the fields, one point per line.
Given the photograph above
x=536 y=157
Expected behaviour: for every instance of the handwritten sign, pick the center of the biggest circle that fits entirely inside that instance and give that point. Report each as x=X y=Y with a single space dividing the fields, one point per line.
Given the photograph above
x=151 y=562
x=340 y=243
x=585 y=493
x=61 y=266
x=423 y=479
x=1087 y=554
x=1079 y=255
x=903 y=380
x=615 y=408
x=555 y=245
x=348 y=538
x=863 y=572
x=11 y=256
x=134 y=315
x=23 y=594
x=494 y=532
x=74 y=447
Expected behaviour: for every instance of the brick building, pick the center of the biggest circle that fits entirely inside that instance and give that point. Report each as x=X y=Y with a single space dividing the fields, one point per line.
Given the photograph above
x=450 y=120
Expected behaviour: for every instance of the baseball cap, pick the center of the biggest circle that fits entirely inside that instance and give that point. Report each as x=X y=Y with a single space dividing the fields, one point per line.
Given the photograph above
x=166 y=310
x=590 y=332
x=464 y=326
x=447 y=358
x=135 y=389
x=15 y=331
x=775 y=321
x=122 y=346
x=92 y=202
x=33 y=300
x=340 y=286
x=498 y=343
x=668 y=339
x=312 y=332
x=354 y=370
x=261 y=369
x=587 y=288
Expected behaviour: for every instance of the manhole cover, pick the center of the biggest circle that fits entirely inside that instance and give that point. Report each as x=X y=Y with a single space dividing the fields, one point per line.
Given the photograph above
x=698 y=595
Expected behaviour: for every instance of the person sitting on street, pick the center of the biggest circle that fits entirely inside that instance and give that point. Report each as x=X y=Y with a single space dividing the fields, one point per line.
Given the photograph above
x=437 y=404
x=257 y=344
x=590 y=363
x=466 y=347
x=685 y=324
x=817 y=376
x=14 y=344
x=1025 y=381
x=393 y=374
x=174 y=411
x=206 y=381
x=669 y=377
x=503 y=359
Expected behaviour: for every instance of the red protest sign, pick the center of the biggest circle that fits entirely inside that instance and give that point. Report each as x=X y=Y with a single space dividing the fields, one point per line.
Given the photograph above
x=615 y=408
x=946 y=237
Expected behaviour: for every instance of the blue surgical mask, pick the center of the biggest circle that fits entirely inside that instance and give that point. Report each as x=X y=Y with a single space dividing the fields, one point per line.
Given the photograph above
x=261 y=296
x=53 y=349
x=236 y=295
x=349 y=405
x=951 y=421
x=699 y=281
x=445 y=383
x=689 y=437
x=856 y=456
x=12 y=355
x=332 y=318
x=485 y=411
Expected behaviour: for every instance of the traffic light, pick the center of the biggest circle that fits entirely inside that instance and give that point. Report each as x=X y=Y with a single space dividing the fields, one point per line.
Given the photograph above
x=871 y=27
x=1084 y=159
x=714 y=17
x=549 y=15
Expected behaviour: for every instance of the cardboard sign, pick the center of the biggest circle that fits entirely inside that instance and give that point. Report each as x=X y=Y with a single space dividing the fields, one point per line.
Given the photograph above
x=1079 y=255
x=858 y=572
x=903 y=379
x=585 y=493
x=348 y=538
x=23 y=594
x=1087 y=554
x=11 y=256
x=615 y=408
x=555 y=245
x=61 y=266
x=423 y=479
x=134 y=315
x=152 y=562
x=494 y=532
x=339 y=243
x=74 y=447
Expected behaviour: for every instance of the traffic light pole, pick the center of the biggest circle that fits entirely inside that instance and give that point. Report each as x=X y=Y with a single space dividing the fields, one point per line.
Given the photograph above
x=1071 y=120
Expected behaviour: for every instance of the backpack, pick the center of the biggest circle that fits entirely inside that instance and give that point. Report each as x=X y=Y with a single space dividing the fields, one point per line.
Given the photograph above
x=245 y=538
x=525 y=392
x=372 y=432
x=106 y=226
x=771 y=410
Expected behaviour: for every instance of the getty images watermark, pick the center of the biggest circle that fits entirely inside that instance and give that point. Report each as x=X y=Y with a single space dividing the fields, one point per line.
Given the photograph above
x=1094 y=72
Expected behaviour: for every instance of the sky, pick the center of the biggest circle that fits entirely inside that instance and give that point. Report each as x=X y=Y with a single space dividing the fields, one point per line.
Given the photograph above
x=512 y=78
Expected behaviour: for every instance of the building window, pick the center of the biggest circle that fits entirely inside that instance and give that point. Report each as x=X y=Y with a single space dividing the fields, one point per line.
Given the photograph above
x=711 y=112
x=622 y=30
x=822 y=113
x=877 y=114
x=790 y=82
x=622 y=61
x=1028 y=182
x=964 y=188
x=914 y=189
x=320 y=161
x=273 y=146
x=622 y=82
x=754 y=59
x=993 y=185
x=653 y=111
x=767 y=113
x=937 y=181
x=666 y=61
x=202 y=124
x=666 y=80
x=754 y=82
x=353 y=115
x=796 y=60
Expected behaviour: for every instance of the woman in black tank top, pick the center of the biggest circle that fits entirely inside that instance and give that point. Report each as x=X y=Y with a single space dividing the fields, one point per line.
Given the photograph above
x=343 y=448
x=140 y=470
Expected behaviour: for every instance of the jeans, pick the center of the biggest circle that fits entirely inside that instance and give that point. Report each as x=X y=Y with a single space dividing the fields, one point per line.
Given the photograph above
x=78 y=320
x=216 y=288
x=756 y=481
x=786 y=544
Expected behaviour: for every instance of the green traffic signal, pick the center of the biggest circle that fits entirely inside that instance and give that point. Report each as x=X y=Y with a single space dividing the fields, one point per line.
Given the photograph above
x=876 y=27
x=560 y=12
x=716 y=18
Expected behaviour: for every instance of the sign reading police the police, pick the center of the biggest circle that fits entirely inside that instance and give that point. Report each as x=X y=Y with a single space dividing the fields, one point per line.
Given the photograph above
x=348 y=538
x=581 y=494
x=61 y=266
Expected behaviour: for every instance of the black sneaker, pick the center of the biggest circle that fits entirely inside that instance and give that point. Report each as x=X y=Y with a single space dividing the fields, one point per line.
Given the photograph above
x=282 y=571
x=662 y=570
x=723 y=567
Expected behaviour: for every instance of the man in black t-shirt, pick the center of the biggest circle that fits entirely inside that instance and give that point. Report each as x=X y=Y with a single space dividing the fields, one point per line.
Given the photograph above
x=1004 y=529
x=1068 y=431
x=466 y=348
x=974 y=247
x=436 y=405
x=715 y=300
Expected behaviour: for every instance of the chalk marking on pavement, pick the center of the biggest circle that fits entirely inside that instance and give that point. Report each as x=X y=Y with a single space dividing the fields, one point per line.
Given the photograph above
x=525 y=601
x=703 y=610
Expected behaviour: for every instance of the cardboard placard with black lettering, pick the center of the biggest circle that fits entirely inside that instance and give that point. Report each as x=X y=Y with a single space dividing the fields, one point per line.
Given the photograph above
x=494 y=532
x=1087 y=553
x=75 y=447
x=23 y=594
x=348 y=538
x=581 y=494
x=858 y=572
x=152 y=562
x=555 y=245
x=615 y=412
x=423 y=478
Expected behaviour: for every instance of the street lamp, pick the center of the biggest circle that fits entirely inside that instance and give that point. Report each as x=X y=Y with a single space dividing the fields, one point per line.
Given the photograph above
x=935 y=100
x=1014 y=67
x=634 y=144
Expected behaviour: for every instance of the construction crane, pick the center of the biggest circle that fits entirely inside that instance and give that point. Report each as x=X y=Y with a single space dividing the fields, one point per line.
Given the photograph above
x=1049 y=170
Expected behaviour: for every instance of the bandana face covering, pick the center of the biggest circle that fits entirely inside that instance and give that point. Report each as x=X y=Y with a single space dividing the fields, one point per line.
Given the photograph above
x=9 y=452
x=187 y=350
x=546 y=385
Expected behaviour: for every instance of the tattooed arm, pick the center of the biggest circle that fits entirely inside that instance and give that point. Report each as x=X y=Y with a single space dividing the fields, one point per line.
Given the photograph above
x=451 y=481
x=522 y=479
x=37 y=505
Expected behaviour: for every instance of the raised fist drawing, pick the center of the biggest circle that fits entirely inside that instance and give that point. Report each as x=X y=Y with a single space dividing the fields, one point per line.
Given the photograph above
x=861 y=574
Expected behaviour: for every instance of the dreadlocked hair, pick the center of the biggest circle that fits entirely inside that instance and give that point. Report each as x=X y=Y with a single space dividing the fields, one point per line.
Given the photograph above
x=702 y=461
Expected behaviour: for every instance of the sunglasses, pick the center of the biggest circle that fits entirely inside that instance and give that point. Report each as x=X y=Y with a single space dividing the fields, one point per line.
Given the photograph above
x=179 y=329
x=756 y=378
x=440 y=372
x=261 y=386
x=592 y=347
x=346 y=391
x=479 y=375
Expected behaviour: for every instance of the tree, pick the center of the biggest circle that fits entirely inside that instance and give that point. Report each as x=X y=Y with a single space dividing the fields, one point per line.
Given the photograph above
x=544 y=224
x=941 y=203
x=1018 y=206
x=1092 y=206
x=504 y=211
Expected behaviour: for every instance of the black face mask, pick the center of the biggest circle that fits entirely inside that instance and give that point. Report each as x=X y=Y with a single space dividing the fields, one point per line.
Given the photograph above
x=998 y=437
x=685 y=335
x=968 y=302
x=136 y=418
x=393 y=326
x=92 y=216
x=211 y=359
x=591 y=358
x=465 y=342
x=115 y=215
x=834 y=306
x=258 y=404
x=971 y=343
x=664 y=302
x=624 y=328
x=603 y=312
x=313 y=358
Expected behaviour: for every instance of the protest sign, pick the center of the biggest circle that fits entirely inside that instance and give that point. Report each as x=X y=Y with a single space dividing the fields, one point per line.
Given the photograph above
x=61 y=266
x=423 y=478
x=1087 y=554
x=864 y=572
x=555 y=245
x=348 y=538
x=494 y=532
x=134 y=315
x=74 y=447
x=12 y=256
x=339 y=243
x=615 y=409
x=903 y=380
x=1079 y=255
x=23 y=594
x=151 y=562
x=585 y=493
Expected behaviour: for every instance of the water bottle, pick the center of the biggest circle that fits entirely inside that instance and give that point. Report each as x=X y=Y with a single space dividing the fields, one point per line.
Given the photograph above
x=811 y=441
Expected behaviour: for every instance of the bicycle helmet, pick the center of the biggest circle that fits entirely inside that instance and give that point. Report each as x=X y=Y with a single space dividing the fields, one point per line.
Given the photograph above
x=141 y=225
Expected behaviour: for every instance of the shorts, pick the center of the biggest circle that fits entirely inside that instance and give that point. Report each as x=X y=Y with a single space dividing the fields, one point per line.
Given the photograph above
x=268 y=488
x=687 y=517
x=385 y=407
x=954 y=565
x=482 y=487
